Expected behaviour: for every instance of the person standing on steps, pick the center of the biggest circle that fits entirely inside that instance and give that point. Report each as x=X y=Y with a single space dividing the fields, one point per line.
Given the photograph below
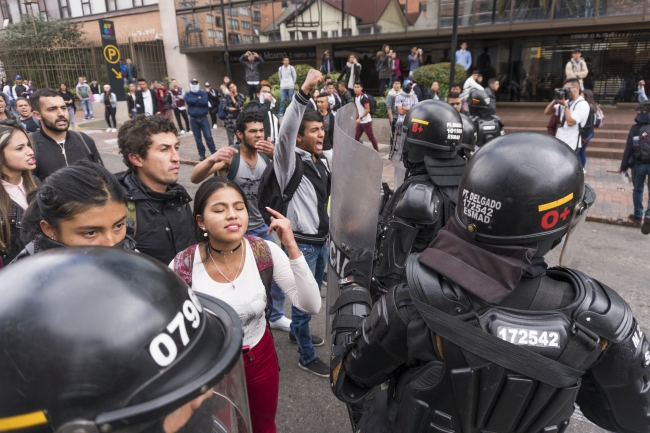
x=288 y=77
x=197 y=107
x=180 y=109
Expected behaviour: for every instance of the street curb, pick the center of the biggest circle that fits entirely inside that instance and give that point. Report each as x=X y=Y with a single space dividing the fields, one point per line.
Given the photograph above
x=613 y=221
x=189 y=162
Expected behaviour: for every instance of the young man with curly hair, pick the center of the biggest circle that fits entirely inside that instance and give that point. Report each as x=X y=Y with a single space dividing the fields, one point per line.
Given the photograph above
x=157 y=205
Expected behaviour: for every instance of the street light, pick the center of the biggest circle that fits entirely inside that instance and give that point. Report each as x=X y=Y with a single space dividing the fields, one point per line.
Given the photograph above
x=29 y=3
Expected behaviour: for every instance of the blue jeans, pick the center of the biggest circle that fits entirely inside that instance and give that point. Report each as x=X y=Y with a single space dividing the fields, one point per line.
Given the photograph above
x=583 y=150
x=202 y=124
x=316 y=257
x=285 y=94
x=639 y=175
x=277 y=295
x=88 y=108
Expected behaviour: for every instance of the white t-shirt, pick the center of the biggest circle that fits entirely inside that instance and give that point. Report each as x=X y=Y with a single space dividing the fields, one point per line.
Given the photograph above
x=249 y=297
x=148 y=103
x=579 y=112
x=360 y=101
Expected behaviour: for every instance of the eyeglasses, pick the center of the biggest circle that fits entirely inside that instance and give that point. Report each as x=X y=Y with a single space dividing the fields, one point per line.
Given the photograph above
x=454 y=104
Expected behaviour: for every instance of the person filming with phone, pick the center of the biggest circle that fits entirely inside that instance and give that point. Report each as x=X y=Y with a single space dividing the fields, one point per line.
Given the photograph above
x=571 y=110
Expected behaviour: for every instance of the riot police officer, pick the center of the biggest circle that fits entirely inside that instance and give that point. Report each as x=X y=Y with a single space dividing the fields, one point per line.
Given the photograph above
x=482 y=336
x=98 y=339
x=468 y=145
x=488 y=125
x=432 y=132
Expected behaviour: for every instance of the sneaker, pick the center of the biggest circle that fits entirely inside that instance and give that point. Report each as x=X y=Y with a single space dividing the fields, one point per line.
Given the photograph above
x=635 y=218
x=283 y=324
x=317 y=367
x=182 y=132
x=315 y=341
x=214 y=126
x=645 y=228
x=114 y=130
x=201 y=157
x=109 y=130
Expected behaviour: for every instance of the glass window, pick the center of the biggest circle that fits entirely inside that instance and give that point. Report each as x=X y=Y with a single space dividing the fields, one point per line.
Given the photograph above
x=324 y=34
x=335 y=33
x=608 y=8
x=243 y=11
x=111 y=5
x=256 y=29
x=257 y=16
x=492 y=11
x=292 y=36
x=231 y=11
x=124 y=4
x=256 y=39
x=233 y=24
x=209 y=19
x=212 y=34
x=423 y=6
x=75 y=8
x=567 y=9
x=219 y=35
x=531 y=10
x=447 y=13
x=347 y=32
x=245 y=25
x=234 y=38
x=314 y=35
x=304 y=35
x=247 y=39
x=150 y=2
x=365 y=30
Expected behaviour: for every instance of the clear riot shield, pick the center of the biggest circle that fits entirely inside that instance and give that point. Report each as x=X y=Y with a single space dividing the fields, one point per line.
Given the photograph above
x=355 y=201
x=396 y=155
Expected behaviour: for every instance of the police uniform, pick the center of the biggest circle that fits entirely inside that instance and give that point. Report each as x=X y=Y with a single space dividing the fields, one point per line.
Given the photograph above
x=482 y=336
x=488 y=125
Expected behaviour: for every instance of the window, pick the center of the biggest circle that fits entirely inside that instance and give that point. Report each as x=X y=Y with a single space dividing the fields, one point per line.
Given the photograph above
x=219 y=35
x=256 y=39
x=212 y=34
x=257 y=6
x=304 y=35
x=292 y=36
x=365 y=30
x=247 y=39
x=335 y=33
x=256 y=29
x=347 y=32
x=245 y=25
x=218 y=22
x=314 y=35
x=257 y=17
x=423 y=6
x=63 y=7
x=233 y=24
x=324 y=34
x=243 y=11
x=231 y=11
x=209 y=19
x=234 y=38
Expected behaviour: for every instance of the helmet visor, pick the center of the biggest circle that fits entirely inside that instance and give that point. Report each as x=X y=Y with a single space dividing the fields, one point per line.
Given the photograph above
x=572 y=238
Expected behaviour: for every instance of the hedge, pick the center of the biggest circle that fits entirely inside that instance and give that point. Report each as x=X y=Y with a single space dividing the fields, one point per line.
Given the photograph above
x=439 y=72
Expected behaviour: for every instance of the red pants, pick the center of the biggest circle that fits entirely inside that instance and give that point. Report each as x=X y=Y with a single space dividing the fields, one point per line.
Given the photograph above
x=262 y=384
x=367 y=128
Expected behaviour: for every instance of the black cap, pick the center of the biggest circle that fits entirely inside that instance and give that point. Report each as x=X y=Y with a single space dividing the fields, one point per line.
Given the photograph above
x=194 y=81
x=577 y=50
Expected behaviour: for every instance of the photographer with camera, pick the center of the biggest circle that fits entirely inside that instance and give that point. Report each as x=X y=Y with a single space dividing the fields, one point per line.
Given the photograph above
x=572 y=112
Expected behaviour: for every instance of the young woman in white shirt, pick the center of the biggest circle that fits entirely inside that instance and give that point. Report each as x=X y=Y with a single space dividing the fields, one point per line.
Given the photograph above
x=16 y=164
x=224 y=265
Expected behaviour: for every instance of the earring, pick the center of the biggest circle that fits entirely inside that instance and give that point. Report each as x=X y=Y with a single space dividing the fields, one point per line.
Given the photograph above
x=52 y=237
x=205 y=234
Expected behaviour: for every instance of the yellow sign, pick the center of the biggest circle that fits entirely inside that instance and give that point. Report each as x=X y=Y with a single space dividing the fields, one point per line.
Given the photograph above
x=118 y=75
x=111 y=54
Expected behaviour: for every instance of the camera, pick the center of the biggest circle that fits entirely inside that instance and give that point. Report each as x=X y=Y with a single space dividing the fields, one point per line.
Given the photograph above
x=561 y=93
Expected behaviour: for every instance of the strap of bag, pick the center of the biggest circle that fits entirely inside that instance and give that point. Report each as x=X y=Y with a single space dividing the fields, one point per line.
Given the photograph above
x=264 y=262
x=295 y=180
x=496 y=350
x=184 y=263
x=83 y=140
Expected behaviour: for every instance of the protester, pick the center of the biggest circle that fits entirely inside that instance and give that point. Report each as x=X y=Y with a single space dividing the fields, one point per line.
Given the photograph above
x=94 y=89
x=311 y=104
x=385 y=66
x=414 y=59
x=288 y=77
x=19 y=90
x=334 y=99
x=454 y=100
x=405 y=100
x=158 y=206
x=80 y=205
x=84 y=94
x=397 y=71
x=470 y=83
x=391 y=109
x=464 y=57
x=224 y=86
x=30 y=123
x=109 y=100
x=582 y=147
x=492 y=89
x=68 y=98
x=479 y=79
x=435 y=91
x=351 y=73
x=197 y=107
x=265 y=106
x=221 y=219
x=364 y=120
x=16 y=165
x=637 y=157
x=323 y=106
x=301 y=142
x=179 y=107
x=327 y=63
x=5 y=107
x=641 y=96
x=234 y=105
x=417 y=89
x=571 y=113
x=214 y=98
x=164 y=100
x=146 y=100
x=344 y=94
x=5 y=85
x=54 y=145
x=131 y=71
x=251 y=62
x=131 y=97
x=577 y=67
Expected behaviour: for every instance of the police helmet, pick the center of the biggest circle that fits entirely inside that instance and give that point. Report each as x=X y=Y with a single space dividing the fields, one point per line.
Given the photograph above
x=106 y=340
x=522 y=188
x=432 y=128
x=478 y=101
x=468 y=144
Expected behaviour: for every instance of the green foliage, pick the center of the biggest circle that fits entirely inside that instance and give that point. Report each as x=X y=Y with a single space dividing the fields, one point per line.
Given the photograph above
x=380 y=112
x=301 y=75
x=49 y=34
x=439 y=72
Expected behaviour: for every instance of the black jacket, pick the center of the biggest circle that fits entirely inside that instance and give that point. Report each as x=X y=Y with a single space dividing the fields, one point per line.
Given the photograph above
x=345 y=75
x=493 y=98
x=271 y=123
x=328 y=141
x=214 y=98
x=164 y=225
x=139 y=102
x=346 y=98
x=49 y=155
x=17 y=241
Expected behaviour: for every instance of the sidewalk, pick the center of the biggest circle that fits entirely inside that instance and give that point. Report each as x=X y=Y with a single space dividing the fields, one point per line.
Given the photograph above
x=613 y=202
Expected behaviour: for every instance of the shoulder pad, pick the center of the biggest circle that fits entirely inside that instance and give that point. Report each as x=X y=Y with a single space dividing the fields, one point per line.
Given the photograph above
x=602 y=310
x=498 y=119
x=419 y=203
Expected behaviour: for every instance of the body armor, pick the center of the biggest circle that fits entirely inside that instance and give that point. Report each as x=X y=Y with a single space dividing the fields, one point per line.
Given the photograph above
x=437 y=386
x=487 y=128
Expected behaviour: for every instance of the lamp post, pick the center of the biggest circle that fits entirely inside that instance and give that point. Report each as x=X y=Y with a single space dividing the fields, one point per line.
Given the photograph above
x=454 y=40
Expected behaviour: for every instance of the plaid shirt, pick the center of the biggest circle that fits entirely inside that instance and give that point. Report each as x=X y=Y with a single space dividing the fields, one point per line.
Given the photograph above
x=405 y=100
x=231 y=117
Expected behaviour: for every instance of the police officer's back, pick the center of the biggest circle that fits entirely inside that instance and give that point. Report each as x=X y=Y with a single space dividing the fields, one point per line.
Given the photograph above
x=488 y=125
x=483 y=337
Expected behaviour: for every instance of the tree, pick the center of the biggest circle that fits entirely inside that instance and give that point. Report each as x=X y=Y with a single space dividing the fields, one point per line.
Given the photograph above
x=49 y=34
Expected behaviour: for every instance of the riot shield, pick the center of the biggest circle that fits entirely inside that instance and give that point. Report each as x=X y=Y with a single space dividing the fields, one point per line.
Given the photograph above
x=355 y=201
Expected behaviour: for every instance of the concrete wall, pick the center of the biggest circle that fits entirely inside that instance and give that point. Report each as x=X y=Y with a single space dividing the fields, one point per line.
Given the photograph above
x=177 y=65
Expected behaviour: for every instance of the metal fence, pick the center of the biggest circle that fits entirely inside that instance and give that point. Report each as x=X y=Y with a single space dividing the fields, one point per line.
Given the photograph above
x=48 y=67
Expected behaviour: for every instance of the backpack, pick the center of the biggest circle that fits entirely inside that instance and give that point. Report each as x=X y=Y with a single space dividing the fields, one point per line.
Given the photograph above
x=378 y=65
x=234 y=164
x=184 y=263
x=221 y=112
x=588 y=129
x=373 y=104
x=599 y=118
x=426 y=93
x=641 y=144
x=269 y=193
